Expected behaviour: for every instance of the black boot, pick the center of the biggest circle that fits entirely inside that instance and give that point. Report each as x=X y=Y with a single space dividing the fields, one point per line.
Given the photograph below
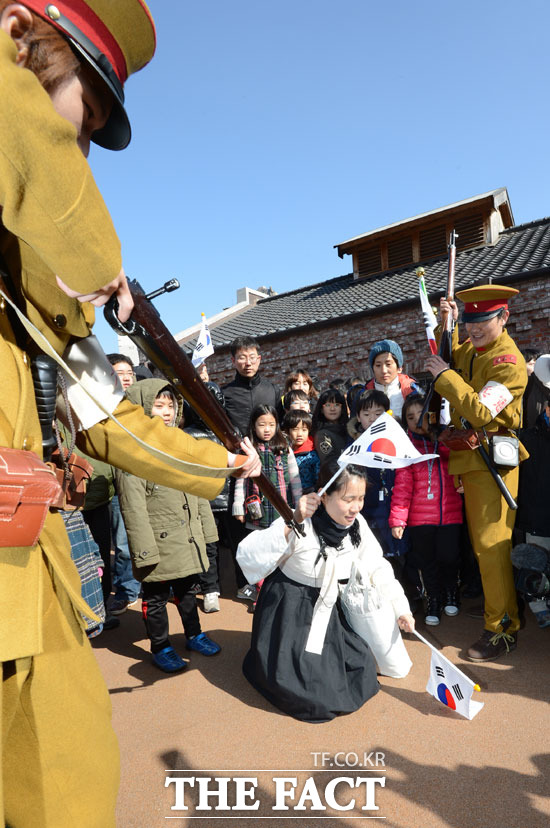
x=433 y=611
x=451 y=601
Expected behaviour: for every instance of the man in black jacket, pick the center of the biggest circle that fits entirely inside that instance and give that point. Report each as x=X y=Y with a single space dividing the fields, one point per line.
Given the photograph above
x=242 y=395
x=249 y=388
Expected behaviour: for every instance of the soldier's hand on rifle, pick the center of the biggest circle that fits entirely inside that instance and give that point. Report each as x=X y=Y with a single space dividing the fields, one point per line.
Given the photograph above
x=448 y=306
x=435 y=365
x=248 y=463
x=101 y=297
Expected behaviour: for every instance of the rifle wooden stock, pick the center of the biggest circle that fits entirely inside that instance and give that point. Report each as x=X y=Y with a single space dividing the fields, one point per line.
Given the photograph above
x=150 y=334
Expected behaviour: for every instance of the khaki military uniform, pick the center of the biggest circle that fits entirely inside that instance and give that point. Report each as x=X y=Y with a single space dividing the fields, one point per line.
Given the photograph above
x=485 y=388
x=61 y=757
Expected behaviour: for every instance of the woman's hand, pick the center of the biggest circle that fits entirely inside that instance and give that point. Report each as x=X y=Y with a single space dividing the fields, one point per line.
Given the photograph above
x=397 y=532
x=100 y=297
x=247 y=464
x=406 y=622
x=307 y=505
x=240 y=518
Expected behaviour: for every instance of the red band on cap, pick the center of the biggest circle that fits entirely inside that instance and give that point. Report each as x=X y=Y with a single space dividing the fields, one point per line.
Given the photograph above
x=79 y=13
x=486 y=306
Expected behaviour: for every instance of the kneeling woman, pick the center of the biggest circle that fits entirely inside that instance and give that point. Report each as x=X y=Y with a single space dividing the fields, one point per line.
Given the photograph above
x=304 y=657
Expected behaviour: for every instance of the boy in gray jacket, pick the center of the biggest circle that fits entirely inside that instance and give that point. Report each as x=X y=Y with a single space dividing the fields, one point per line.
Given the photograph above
x=167 y=532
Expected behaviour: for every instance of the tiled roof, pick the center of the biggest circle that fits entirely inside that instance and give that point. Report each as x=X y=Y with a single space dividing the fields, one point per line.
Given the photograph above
x=521 y=249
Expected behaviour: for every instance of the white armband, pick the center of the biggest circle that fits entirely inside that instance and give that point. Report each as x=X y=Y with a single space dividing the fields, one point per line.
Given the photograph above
x=95 y=373
x=495 y=397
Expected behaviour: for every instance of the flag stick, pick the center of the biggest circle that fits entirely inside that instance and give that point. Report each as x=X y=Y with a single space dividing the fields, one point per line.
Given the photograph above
x=440 y=654
x=331 y=481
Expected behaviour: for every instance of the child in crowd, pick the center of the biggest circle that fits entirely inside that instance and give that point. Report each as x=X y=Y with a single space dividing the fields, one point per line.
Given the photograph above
x=297 y=427
x=424 y=499
x=279 y=465
x=167 y=533
x=295 y=400
x=376 y=509
x=386 y=362
x=330 y=435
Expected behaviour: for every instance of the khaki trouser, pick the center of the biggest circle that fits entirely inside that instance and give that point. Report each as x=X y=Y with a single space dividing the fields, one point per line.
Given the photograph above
x=490 y=524
x=60 y=764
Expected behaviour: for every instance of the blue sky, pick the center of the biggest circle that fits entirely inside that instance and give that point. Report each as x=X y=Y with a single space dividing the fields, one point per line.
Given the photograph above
x=265 y=133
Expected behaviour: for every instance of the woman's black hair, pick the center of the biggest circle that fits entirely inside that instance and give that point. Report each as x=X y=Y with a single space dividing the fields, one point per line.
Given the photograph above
x=373 y=397
x=330 y=395
x=294 y=418
x=328 y=471
x=278 y=443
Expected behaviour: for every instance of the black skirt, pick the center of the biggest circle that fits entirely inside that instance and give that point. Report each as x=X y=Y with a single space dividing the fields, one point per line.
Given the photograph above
x=308 y=686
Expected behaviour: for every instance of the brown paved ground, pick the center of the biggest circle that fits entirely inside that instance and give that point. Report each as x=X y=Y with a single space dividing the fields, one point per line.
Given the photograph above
x=440 y=769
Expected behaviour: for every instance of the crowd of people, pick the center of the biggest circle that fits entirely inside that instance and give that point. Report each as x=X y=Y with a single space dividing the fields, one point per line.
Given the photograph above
x=417 y=517
x=162 y=490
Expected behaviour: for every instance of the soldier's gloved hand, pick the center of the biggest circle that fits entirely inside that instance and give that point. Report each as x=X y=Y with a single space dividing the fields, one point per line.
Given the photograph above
x=101 y=297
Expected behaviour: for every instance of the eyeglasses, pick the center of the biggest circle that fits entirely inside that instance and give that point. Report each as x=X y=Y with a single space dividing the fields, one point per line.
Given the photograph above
x=125 y=373
x=247 y=358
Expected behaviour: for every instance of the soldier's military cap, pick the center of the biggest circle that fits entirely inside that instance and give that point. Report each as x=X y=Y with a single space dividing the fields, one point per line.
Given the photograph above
x=485 y=301
x=114 y=37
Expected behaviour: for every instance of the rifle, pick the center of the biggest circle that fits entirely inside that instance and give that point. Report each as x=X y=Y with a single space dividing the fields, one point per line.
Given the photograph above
x=433 y=401
x=432 y=405
x=150 y=334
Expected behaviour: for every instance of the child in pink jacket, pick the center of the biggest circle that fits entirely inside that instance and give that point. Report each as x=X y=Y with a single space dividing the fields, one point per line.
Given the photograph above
x=424 y=499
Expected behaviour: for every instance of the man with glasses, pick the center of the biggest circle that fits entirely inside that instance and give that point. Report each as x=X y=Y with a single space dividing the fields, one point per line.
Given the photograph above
x=249 y=388
x=242 y=395
x=123 y=368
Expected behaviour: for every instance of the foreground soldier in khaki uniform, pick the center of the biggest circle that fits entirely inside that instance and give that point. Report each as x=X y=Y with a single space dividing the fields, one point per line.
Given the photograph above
x=484 y=388
x=60 y=758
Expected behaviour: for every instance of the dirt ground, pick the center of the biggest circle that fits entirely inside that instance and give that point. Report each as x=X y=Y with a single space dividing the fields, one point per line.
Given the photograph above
x=434 y=768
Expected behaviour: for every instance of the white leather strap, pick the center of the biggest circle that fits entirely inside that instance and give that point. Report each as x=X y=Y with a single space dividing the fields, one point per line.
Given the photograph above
x=87 y=386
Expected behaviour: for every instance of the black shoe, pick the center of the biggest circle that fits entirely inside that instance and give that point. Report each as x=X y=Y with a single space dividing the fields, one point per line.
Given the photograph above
x=492 y=645
x=111 y=622
x=451 y=601
x=433 y=611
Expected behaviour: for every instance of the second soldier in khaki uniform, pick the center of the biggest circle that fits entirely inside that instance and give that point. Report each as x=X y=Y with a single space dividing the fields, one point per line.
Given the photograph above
x=484 y=388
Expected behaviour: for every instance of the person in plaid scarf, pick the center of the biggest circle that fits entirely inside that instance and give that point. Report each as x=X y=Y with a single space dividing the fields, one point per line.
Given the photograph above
x=279 y=465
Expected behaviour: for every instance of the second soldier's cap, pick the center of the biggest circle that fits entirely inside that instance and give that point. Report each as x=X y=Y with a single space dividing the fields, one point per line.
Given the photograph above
x=115 y=38
x=485 y=301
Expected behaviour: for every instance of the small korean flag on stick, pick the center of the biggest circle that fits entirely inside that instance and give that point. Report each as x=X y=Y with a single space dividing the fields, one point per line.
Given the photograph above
x=204 y=347
x=384 y=445
x=449 y=685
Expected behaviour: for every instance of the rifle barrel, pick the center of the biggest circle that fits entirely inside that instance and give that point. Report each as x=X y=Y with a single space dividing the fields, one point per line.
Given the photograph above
x=150 y=334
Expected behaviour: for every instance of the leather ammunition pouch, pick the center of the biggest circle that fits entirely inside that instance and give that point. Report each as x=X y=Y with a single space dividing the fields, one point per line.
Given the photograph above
x=72 y=473
x=461 y=439
x=28 y=487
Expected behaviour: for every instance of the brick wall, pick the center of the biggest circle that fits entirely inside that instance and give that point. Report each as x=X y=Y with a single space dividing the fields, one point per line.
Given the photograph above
x=341 y=349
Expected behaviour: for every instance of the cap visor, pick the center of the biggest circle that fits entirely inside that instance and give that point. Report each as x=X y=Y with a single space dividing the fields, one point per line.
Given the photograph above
x=116 y=133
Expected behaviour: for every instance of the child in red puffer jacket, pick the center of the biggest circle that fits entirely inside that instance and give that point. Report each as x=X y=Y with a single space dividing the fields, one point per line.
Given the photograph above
x=424 y=498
